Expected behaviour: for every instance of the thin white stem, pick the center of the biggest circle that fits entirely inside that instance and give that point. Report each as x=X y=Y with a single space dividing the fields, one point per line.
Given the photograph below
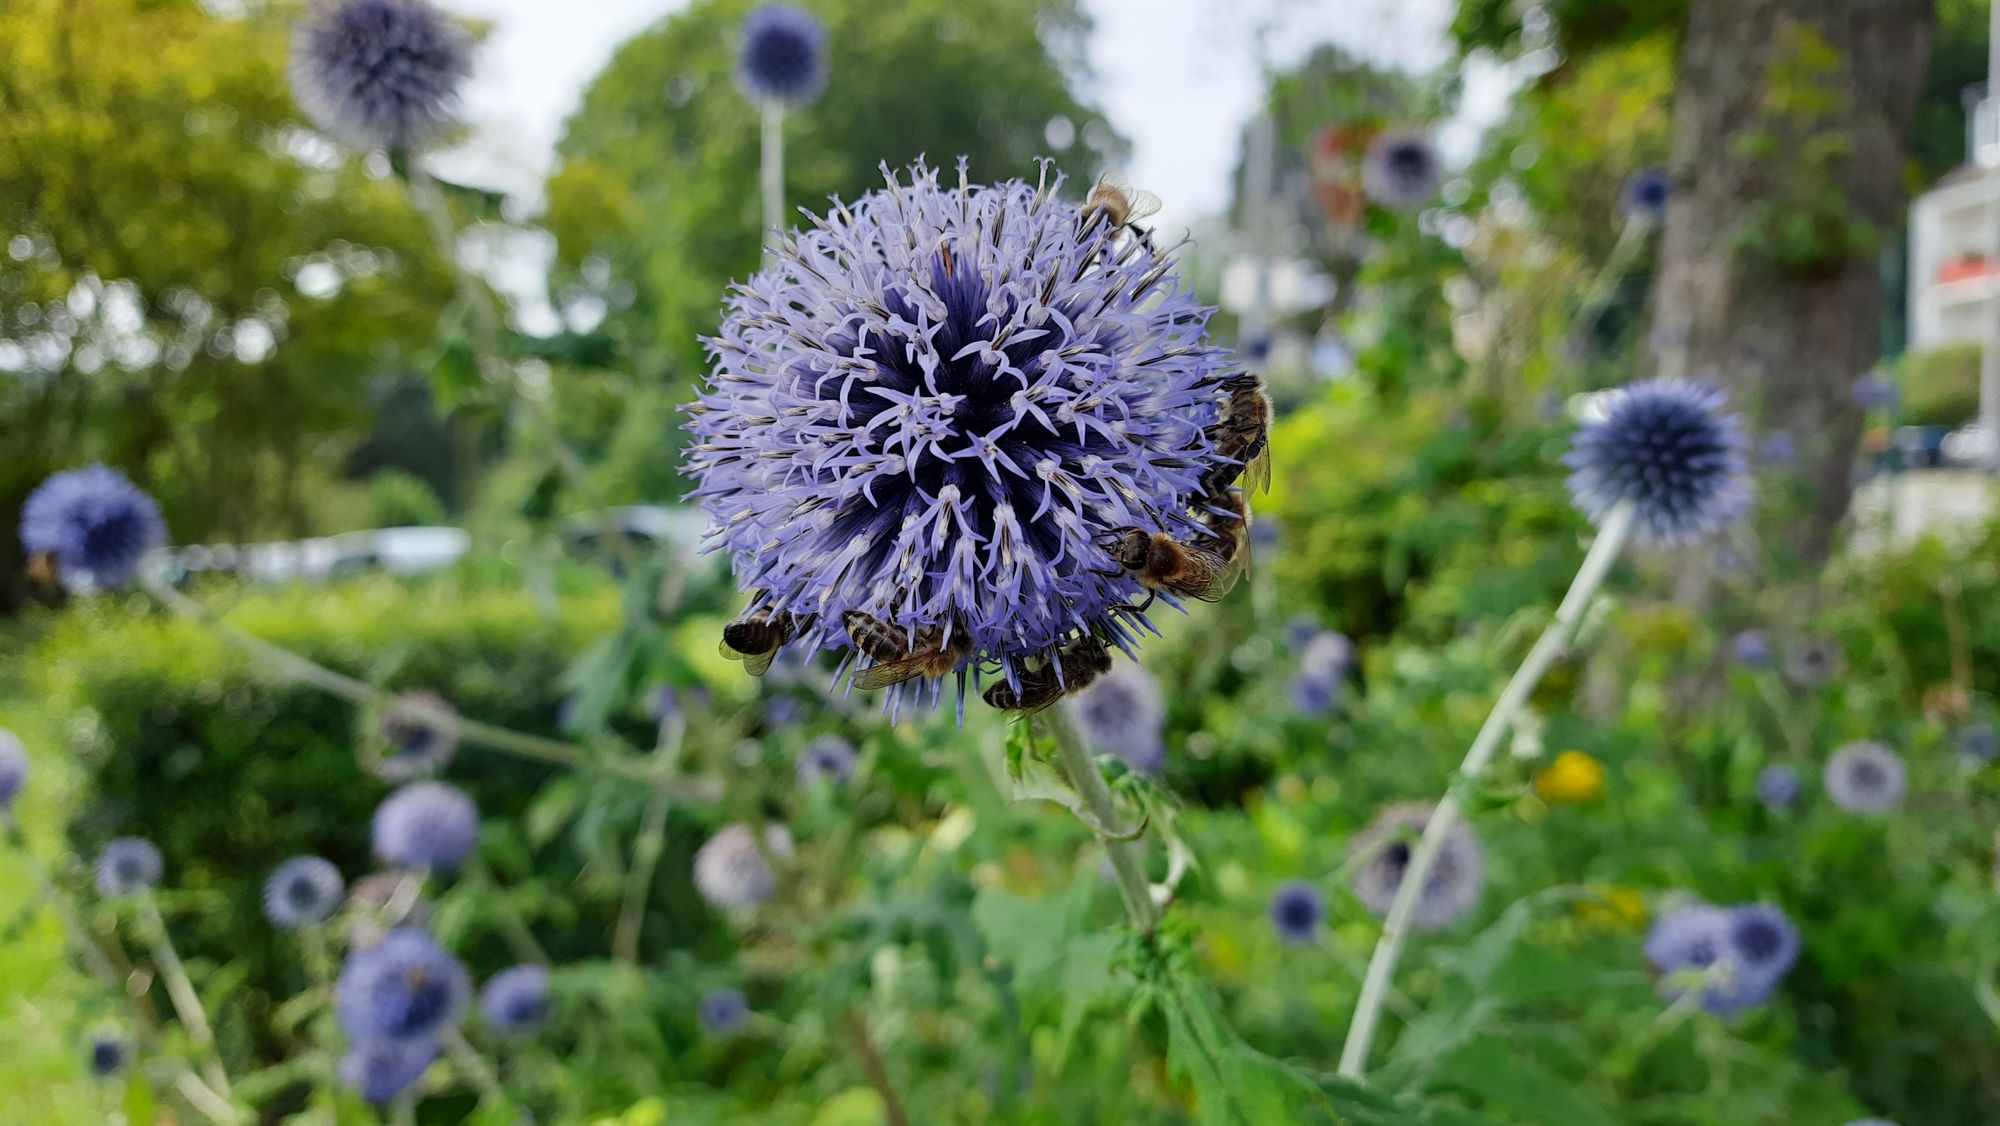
x=187 y=1003
x=1088 y=781
x=1553 y=642
x=1631 y=237
x=474 y=1067
x=291 y=666
x=772 y=174
x=647 y=849
x=200 y=1097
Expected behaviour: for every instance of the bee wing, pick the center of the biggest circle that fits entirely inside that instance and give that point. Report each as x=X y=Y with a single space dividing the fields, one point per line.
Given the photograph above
x=886 y=673
x=1144 y=203
x=1257 y=474
x=756 y=664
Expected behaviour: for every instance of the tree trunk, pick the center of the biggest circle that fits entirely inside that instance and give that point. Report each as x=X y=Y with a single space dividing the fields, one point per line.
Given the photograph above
x=1789 y=126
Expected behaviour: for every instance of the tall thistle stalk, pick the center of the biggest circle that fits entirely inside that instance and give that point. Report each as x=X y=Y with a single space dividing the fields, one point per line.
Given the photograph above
x=1658 y=462
x=771 y=173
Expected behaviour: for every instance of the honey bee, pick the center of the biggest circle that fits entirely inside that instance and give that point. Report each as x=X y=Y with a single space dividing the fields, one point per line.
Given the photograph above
x=1114 y=200
x=1075 y=665
x=1205 y=567
x=899 y=656
x=1243 y=435
x=755 y=638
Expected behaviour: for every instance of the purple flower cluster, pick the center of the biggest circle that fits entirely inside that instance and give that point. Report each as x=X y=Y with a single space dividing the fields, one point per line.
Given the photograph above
x=94 y=524
x=1731 y=957
x=937 y=405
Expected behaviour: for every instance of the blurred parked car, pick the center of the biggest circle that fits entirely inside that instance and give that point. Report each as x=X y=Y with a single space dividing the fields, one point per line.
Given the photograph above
x=400 y=551
x=649 y=526
x=1969 y=446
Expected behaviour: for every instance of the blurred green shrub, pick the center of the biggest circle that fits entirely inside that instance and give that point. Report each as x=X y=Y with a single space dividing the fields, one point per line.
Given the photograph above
x=1940 y=387
x=399 y=499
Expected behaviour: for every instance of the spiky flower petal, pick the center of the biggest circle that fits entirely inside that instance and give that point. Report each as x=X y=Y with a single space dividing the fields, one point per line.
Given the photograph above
x=426 y=827
x=784 y=55
x=128 y=866
x=94 y=523
x=380 y=73
x=934 y=407
x=1866 y=777
x=1456 y=878
x=302 y=891
x=1665 y=446
x=1401 y=170
x=403 y=988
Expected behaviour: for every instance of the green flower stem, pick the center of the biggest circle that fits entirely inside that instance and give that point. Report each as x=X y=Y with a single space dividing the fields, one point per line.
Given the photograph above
x=319 y=970
x=187 y=1004
x=474 y=1067
x=771 y=175
x=1596 y=299
x=1081 y=766
x=646 y=850
x=513 y=928
x=277 y=659
x=1554 y=641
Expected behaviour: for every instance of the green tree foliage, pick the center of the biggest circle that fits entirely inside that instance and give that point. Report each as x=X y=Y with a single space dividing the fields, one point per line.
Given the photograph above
x=658 y=176
x=194 y=287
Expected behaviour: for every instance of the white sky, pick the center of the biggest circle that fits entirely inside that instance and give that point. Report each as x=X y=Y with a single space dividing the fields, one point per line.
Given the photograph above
x=1177 y=77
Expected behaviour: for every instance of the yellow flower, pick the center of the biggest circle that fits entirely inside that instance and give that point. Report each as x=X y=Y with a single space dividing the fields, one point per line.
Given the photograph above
x=1613 y=906
x=1573 y=776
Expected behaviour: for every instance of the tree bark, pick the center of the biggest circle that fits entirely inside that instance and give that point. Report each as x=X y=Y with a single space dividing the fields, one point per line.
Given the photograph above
x=1789 y=128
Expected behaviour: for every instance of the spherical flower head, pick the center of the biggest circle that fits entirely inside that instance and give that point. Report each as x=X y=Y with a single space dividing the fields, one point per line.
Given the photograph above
x=1778 y=787
x=1456 y=878
x=109 y=1053
x=1401 y=170
x=516 y=1000
x=1691 y=947
x=426 y=827
x=1300 y=629
x=1866 y=777
x=784 y=55
x=1751 y=648
x=1978 y=743
x=94 y=523
x=405 y=987
x=379 y=1070
x=1329 y=651
x=723 y=1011
x=1664 y=446
x=1296 y=910
x=938 y=407
x=13 y=768
x=1645 y=197
x=828 y=758
x=380 y=73
x=128 y=866
x=303 y=891
x=1764 y=940
x=413 y=742
x=1814 y=661
x=1122 y=713
x=730 y=871
x=1314 y=692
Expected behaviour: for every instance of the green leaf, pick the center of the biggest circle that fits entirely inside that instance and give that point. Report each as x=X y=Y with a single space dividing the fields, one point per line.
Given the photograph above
x=1508 y=1082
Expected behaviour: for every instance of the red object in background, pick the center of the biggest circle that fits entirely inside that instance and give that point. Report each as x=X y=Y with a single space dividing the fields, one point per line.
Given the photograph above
x=1333 y=166
x=1962 y=269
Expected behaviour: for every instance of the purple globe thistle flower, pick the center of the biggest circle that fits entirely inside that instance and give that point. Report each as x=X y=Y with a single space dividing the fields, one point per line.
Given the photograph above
x=828 y=758
x=1866 y=777
x=1300 y=629
x=1665 y=446
x=1315 y=692
x=94 y=523
x=1456 y=878
x=1978 y=742
x=516 y=1000
x=1814 y=661
x=1751 y=648
x=937 y=406
x=1778 y=787
x=405 y=987
x=128 y=866
x=784 y=55
x=1692 y=949
x=1296 y=910
x=380 y=73
x=416 y=744
x=426 y=827
x=1401 y=170
x=379 y=1070
x=782 y=710
x=731 y=872
x=1764 y=940
x=1874 y=391
x=1777 y=448
x=13 y=768
x=1323 y=665
x=109 y=1053
x=1122 y=713
x=303 y=891
x=1645 y=196
x=723 y=1011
